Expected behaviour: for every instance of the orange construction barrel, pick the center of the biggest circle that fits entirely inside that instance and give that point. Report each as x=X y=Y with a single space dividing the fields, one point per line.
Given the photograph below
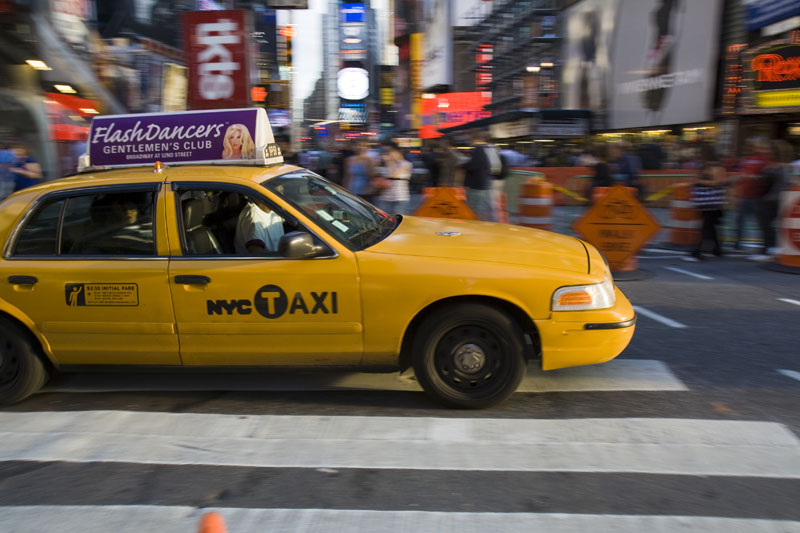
x=789 y=230
x=536 y=204
x=685 y=221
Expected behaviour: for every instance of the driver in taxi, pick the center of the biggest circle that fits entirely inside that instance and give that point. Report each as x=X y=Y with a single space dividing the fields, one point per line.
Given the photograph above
x=258 y=230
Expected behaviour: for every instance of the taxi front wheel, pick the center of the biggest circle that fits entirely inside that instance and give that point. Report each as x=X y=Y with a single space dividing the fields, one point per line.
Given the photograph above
x=21 y=370
x=469 y=356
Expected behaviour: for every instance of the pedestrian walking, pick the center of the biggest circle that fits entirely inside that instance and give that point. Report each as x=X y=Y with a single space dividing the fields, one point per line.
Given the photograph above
x=25 y=169
x=602 y=172
x=7 y=178
x=772 y=181
x=478 y=177
x=708 y=196
x=755 y=159
x=451 y=173
x=359 y=170
x=397 y=170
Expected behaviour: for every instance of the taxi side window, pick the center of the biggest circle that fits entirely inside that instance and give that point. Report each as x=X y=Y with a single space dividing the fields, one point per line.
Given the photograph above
x=220 y=222
x=109 y=223
x=39 y=235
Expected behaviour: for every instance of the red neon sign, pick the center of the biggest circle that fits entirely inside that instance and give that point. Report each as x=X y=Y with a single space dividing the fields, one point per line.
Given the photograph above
x=776 y=68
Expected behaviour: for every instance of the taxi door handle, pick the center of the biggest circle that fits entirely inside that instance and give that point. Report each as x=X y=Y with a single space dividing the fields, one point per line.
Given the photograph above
x=22 y=280
x=192 y=280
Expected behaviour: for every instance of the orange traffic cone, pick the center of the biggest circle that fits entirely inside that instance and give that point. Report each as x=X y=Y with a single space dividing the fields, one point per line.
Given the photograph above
x=212 y=523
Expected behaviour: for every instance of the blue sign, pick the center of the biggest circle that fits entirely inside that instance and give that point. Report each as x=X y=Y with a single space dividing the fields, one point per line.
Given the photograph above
x=353 y=13
x=761 y=13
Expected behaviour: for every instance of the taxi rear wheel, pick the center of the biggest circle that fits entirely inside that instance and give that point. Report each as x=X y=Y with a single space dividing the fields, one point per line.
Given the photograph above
x=22 y=372
x=469 y=356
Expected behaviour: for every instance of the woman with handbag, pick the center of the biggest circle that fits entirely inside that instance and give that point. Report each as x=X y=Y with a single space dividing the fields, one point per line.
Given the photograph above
x=393 y=198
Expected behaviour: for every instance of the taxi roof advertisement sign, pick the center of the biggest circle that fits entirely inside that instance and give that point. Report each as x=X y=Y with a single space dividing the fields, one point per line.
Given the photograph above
x=225 y=135
x=217 y=47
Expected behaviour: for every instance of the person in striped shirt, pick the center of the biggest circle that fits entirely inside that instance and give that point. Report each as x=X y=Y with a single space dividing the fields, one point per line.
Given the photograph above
x=708 y=195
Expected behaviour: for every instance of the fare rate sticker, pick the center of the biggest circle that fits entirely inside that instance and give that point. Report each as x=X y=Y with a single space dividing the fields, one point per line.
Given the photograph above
x=101 y=294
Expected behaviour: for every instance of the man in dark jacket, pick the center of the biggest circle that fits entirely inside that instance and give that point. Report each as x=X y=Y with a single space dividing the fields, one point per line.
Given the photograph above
x=478 y=179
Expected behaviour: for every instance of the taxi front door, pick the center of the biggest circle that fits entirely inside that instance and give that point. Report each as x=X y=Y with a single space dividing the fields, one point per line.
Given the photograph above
x=265 y=310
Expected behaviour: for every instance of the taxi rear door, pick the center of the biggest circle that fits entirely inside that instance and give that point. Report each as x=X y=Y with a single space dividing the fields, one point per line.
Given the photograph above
x=234 y=309
x=96 y=287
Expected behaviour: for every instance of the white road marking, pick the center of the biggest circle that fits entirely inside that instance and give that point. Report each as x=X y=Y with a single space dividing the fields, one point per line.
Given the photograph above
x=789 y=301
x=618 y=374
x=659 y=251
x=693 y=274
x=790 y=373
x=181 y=519
x=658 y=318
x=630 y=445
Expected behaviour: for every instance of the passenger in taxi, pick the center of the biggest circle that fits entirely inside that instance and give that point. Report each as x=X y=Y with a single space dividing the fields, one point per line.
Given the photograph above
x=116 y=226
x=258 y=229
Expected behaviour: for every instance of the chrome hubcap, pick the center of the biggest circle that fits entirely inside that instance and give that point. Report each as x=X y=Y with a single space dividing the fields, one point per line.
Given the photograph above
x=469 y=358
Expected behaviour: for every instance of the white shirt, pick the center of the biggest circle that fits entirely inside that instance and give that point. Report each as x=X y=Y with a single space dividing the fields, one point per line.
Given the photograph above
x=256 y=226
x=399 y=173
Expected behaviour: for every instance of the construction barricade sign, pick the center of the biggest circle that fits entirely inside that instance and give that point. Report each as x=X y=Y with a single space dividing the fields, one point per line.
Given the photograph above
x=618 y=225
x=445 y=202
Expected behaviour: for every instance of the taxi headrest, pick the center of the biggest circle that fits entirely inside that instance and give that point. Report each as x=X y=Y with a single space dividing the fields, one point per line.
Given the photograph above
x=193 y=212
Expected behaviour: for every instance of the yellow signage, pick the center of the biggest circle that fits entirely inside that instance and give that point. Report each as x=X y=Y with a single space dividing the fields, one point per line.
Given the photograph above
x=618 y=225
x=102 y=294
x=445 y=202
x=417 y=57
x=778 y=99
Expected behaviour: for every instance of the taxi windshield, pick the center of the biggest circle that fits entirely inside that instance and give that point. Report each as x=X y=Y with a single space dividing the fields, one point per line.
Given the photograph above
x=346 y=217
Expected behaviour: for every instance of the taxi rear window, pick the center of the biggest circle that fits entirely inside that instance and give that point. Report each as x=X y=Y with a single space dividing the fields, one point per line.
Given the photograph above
x=105 y=223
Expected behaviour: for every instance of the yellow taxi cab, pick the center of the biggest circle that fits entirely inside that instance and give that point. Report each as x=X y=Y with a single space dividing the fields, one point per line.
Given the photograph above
x=219 y=256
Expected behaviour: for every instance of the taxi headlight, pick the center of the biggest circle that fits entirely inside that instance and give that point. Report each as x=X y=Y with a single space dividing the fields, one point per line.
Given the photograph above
x=585 y=297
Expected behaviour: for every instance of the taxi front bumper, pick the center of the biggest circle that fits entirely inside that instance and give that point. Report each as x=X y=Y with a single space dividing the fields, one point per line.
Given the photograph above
x=586 y=337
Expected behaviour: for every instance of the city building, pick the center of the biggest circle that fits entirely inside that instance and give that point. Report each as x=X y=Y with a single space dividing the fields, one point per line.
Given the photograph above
x=760 y=83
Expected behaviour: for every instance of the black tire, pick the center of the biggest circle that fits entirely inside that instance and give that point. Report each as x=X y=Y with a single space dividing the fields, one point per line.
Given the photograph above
x=22 y=372
x=469 y=356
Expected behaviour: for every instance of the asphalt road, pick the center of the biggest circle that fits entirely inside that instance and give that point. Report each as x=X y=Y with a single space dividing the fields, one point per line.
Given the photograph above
x=696 y=426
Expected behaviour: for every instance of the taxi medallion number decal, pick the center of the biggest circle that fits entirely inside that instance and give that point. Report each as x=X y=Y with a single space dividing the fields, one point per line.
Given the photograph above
x=101 y=294
x=270 y=301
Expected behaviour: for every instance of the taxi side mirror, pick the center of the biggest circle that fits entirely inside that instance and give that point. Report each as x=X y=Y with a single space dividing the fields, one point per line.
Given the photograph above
x=299 y=245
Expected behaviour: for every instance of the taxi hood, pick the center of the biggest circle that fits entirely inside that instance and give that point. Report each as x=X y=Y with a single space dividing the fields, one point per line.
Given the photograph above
x=484 y=241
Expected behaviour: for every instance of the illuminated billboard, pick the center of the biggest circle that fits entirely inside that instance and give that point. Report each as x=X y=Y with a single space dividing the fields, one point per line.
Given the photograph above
x=452 y=109
x=643 y=62
x=217 y=50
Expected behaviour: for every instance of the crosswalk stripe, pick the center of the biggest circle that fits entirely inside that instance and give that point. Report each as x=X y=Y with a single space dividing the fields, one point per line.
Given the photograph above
x=643 y=445
x=183 y=519
x=615 y=375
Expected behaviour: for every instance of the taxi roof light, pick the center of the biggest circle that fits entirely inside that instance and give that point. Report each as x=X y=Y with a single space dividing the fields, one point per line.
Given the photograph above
x=185 y=138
